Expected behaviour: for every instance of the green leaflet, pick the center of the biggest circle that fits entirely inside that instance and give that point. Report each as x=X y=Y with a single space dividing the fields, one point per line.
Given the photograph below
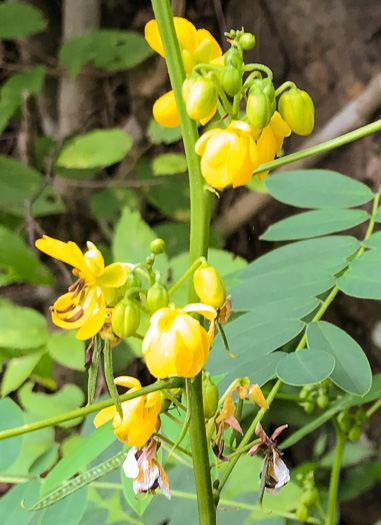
x=78 y=482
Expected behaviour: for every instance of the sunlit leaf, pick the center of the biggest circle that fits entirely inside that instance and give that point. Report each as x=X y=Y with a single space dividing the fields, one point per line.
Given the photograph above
x=19 y=20
x=99 y=148
x=169 y=164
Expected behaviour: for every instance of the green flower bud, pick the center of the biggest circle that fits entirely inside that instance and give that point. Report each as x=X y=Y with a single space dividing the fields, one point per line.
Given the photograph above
x=247 y=41
x=157 y=297
x=231 y=80
x=309 y=407
x=344 y=421
x=209 y=285
x=309 y=497
x=360 y=416
x=210 y=396
x=302 y=512
x=233 y=57
x=125 y=318
x=200 y=97
x=297 y=109
x=157 y=246
x=165 y=402
x=132 y=281
x=322 y=401
x=260 y=105
x=355 y=433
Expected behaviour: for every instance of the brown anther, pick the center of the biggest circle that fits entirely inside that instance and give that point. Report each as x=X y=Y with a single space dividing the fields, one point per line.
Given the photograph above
x=65 y=310
x=75 y=317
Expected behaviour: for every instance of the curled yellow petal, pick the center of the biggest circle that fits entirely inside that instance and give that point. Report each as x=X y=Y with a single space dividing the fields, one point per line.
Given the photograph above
x=128 y=382
x=104 y=415
x=204 y=309
x=165 y=111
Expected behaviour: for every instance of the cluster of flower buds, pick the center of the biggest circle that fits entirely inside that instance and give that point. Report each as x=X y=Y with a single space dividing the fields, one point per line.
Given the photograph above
x=242 y=140
x=313 y=396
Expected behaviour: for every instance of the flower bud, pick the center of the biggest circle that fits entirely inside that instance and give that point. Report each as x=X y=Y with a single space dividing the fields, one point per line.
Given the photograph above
x=157 y=297
x=210 y=396
x=260 y=105
x=132 y=281
x=231 y=80
x=310 y=496
x=297 y=109
x=125 y=318
x=355 y=433
x=247 y=41
x=209 y=285
x=233 y=57
x=322 y=401
x=302 y=512
x=200 y=97
x=157 y=246
x=344 y=421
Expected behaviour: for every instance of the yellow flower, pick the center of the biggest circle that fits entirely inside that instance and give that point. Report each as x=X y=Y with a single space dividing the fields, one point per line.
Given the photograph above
x=228 y=156
x=84 y=306
x=140 y=415
x=270 y=140
x=197 y=46
x=175 y=343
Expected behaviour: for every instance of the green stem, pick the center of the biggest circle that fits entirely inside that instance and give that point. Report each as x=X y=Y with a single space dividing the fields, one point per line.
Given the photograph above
x=170 y=442
x=163 y=384
x=189 y=272
x=260 y=67
x=284 y=86
x=321 y=148
x=335 y=475
x=373 y=409
x=200 y=203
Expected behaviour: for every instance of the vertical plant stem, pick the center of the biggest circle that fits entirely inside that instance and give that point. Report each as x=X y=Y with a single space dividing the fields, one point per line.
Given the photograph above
x=200 y=202
x=335 y=475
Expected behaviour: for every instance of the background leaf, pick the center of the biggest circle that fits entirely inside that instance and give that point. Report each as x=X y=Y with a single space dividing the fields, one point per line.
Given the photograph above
x=305 y=367
x=111 y=50
x=318 y=189
x=22 y=330
x=18 y=371
x=99 y=148
x=19 y=20
x=10 y=509
x=67 y=350
x=169 y=164
x=314 y=223
x=17 y=183
x=68 y=511
x=352 y=370
x=18 y=262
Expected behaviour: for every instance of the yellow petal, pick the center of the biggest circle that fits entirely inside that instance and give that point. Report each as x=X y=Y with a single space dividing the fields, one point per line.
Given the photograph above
x=165 y=111
x=104 y=415
x=186 y=34
x=114 y=275
x=128 y=382
x=67 y=252
x=204 y=139
x=95 y=322
x=258 y=397
x=204 y=309
x=205 y=120
x=152 y=35
x=94 y=259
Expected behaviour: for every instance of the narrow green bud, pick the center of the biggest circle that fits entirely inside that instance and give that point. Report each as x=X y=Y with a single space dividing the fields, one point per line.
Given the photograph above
x=260 y=105
x=209 y=285
x=125 y=318
x=231 y=80
x=355 y=433
x=210 y=396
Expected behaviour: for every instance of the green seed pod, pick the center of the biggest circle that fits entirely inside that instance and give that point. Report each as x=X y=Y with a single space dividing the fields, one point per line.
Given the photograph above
x=297 y=109
x=231 y=80
x=200 y=97
x=125 y=318
x=302 y=512
x=210 y=396
x=309 y=497
x=247 y=41
x=355 y=433
x=157 y=246
x=157 y=297
x=322 y=401
x=209 y=285
x=260 y=105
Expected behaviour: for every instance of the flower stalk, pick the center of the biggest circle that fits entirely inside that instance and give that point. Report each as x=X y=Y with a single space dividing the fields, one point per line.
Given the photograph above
x=200 y=203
